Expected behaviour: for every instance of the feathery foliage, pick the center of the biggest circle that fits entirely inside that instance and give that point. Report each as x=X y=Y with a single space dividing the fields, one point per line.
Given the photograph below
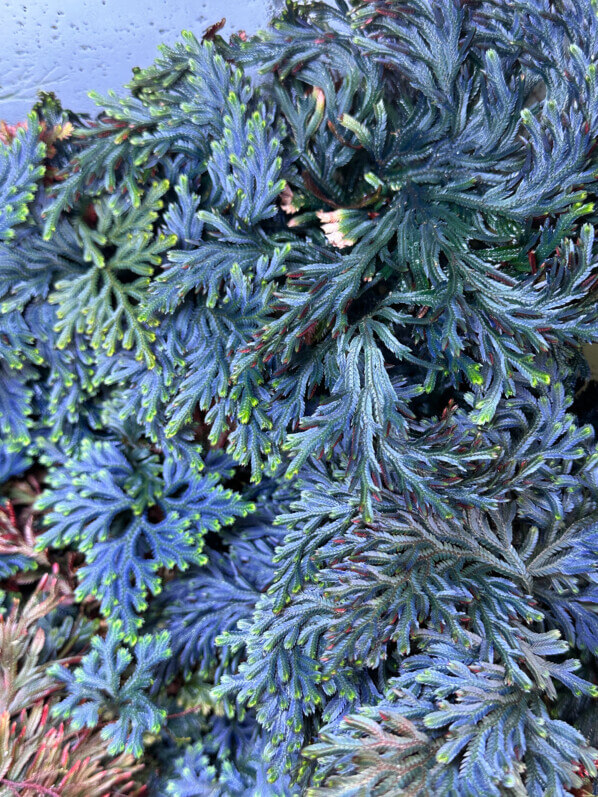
x=291 y=334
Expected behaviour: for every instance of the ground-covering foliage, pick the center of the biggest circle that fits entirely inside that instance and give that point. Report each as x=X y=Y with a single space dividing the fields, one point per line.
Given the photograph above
x=297 y=499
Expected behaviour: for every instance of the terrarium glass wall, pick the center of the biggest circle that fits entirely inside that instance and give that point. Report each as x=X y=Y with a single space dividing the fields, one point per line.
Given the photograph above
x=71 y=46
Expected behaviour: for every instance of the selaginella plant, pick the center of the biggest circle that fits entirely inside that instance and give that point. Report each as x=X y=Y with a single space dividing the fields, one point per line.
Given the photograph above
x=291 y=333
x=38 y=754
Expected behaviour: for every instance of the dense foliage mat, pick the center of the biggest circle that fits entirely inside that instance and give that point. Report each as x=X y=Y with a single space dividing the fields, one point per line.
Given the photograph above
x=289 y=339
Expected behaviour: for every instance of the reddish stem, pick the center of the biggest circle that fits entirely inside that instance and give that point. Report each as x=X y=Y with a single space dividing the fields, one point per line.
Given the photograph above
x=184 y=713
x=13 y=785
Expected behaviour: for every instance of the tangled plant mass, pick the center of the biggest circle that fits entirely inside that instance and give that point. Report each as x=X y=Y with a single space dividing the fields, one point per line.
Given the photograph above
x=289 y=339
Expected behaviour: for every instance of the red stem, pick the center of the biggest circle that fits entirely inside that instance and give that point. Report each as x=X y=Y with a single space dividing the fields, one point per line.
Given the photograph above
x=184 y=713
x=13 y=785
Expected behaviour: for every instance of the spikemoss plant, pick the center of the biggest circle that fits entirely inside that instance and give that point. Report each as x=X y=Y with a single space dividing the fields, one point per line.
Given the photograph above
x=294 y=326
